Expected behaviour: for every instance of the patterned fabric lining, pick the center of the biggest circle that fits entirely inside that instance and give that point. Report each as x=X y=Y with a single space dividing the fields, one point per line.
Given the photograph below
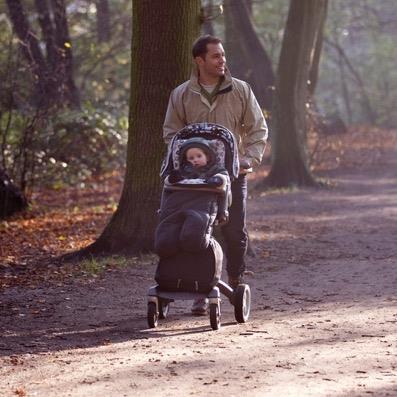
x=214 y=133
x=197 y=181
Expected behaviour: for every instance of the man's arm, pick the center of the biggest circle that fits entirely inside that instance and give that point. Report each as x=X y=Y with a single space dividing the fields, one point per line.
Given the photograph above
x=173 y=121
x=256 y=131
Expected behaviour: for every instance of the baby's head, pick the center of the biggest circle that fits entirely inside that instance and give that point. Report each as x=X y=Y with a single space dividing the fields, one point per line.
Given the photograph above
x=197 y=152
x=197 y=157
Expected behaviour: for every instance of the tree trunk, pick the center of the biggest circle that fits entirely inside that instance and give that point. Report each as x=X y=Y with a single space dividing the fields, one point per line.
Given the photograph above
x=30 y=49
x=54 y=82
x=161 y=59
x=12 y=199
x=47 y=28
x=245 y=54
x=315 y=59
x=207 y=27
x=289 y=155
x=365 y=98
x=345 y=89
x=103 y=21
x=64 y=45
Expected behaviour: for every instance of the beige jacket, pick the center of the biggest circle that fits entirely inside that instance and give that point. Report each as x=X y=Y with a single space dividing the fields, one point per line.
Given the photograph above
x=235 y=108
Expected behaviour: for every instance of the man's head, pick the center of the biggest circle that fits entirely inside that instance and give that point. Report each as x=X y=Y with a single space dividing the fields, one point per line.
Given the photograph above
x=209 y=55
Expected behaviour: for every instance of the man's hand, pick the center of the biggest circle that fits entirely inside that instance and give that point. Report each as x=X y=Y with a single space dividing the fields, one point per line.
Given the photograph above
x=245 y=166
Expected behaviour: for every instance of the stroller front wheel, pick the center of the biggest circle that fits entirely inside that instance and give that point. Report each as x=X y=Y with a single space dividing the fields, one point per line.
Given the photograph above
x=242 y=303
x=164 y=307
x=215 y=316
x=152 y=315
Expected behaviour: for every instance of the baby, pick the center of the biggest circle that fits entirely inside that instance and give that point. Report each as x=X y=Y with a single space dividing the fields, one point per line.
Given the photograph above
x=196 y=157
x=198 y=162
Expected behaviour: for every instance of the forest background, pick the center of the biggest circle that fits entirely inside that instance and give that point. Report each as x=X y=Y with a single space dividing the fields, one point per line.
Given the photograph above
x=66 y=152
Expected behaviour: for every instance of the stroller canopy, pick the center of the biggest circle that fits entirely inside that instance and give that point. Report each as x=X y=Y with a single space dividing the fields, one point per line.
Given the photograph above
x=219 y=138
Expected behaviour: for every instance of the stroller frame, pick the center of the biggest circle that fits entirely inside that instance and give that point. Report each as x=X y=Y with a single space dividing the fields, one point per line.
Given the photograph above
x=158 y=300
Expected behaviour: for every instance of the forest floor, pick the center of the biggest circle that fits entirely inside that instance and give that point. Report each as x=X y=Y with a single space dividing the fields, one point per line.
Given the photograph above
x=323 y=279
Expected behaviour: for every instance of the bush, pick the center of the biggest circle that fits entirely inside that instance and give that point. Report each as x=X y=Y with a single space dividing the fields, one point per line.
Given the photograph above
x=62 y=148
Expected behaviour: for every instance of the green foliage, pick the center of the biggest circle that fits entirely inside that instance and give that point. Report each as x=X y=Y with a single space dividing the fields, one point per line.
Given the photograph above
x=102 y=70
x=85 y=143
x=381 y=66
x=57 y=146
x=64 y=148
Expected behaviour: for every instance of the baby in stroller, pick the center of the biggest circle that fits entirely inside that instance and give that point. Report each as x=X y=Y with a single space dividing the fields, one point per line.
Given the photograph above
x=198 y=160
x=196 y=191
x=202 y=160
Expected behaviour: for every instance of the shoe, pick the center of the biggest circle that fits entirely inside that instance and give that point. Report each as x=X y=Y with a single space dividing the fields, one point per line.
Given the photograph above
x=200 y=307
x=234 y=281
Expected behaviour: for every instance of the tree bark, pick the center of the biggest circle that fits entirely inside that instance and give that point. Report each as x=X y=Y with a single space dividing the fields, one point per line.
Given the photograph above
x=103 y=21
x=12 y=199
x=47 y=29
x=316 y=57
x=344 y=88
x=207 y=27
x=161 y=60
x=64 y=46
x=245 y=54
x=289 y=154
x=30 y=49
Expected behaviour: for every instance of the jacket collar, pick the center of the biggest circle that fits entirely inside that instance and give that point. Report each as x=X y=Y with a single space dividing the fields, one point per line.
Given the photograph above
x=194 y=85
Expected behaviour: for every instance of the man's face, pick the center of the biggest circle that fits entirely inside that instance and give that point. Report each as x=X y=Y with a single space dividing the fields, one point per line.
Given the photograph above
x=213 y=64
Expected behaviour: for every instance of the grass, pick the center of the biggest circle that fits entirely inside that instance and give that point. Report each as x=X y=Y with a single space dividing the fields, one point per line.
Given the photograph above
x=94 y=266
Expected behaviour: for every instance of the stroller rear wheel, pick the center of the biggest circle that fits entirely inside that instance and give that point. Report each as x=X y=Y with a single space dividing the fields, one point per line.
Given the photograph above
x=242 y=303
x=152 y=315
x=215 y=316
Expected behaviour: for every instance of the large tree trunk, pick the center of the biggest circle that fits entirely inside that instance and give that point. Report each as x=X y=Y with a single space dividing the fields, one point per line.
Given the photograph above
x=289 y=157
x=245 y=54
x=161 y=43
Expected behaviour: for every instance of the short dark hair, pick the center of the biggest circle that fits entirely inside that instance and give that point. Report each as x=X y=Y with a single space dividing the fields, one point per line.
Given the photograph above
x=199 y=48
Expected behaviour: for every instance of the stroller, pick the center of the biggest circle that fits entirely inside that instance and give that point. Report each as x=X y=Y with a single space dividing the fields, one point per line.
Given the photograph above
x=190 y=259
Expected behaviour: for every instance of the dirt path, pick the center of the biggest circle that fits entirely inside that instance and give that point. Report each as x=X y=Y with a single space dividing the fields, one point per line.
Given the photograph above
x=324 y=318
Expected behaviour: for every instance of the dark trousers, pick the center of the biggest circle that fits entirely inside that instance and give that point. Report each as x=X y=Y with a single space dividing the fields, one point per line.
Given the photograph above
x=235 y=231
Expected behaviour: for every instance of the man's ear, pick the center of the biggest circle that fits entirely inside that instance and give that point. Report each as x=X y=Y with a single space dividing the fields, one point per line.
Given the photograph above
x=199 y=61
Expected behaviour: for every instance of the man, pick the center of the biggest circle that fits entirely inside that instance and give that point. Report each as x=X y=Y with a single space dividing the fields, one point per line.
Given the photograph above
x=213 y=95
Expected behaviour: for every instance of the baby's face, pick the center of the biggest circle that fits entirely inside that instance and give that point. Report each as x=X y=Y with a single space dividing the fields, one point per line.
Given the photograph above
x=196 y=157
